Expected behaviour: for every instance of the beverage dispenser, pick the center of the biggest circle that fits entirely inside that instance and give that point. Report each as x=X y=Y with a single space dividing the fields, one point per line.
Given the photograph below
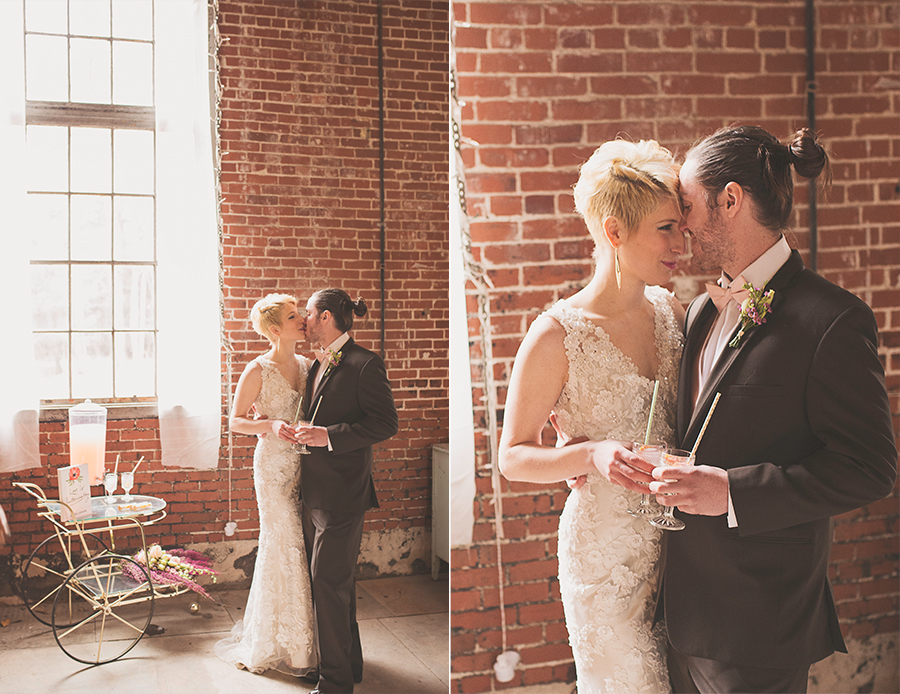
x=87 y=438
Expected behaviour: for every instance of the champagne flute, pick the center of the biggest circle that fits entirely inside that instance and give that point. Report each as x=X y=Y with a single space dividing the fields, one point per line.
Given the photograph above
x=651 y=452
x=307 y=423
x=110 y=482
x=127 y=484
x=673 y=458
x=302 y=447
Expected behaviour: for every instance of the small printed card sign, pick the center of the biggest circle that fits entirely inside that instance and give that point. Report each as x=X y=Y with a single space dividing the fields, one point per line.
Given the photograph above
x=74 y=491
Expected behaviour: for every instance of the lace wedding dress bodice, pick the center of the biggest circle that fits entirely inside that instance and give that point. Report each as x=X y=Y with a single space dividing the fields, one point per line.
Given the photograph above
x=608 y=559
x=277 y=631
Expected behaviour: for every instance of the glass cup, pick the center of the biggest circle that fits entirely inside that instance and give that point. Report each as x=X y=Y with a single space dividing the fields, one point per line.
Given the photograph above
x=651 y=452
x=127 y=484
x=302 y=446
x=110 y=482
x=673 y=458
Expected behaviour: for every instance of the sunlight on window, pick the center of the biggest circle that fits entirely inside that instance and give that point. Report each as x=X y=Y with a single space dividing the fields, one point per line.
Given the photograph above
x=133 y=225
x=48 y=160
x=134 y=161
x=91 y=160
x=91 y=227
x=132 y=73
x=111 y=223
x=90 y=65
x=48 y=226
x=47 y=68
x=91 y=189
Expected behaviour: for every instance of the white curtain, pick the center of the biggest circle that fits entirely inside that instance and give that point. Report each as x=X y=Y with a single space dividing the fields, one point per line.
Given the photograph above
x=462 y=427
x=19 y=404
x=189 y=372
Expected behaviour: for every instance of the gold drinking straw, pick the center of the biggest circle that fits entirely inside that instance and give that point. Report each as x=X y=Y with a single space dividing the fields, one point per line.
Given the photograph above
x=138 y=463
x=652 y=408
x=316 y=409
x=116 y=468
x=703 y=428
x=297 y=413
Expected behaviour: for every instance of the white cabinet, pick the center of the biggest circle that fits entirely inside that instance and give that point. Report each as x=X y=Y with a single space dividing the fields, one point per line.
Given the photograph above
x=440 y=508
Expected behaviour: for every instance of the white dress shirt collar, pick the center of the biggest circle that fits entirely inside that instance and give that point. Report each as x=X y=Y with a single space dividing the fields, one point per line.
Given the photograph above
x=335 y=346
x=761 y=270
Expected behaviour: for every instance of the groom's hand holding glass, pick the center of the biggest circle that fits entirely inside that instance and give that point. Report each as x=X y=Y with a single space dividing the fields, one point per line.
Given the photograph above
x=311 y=435
x=701 y=490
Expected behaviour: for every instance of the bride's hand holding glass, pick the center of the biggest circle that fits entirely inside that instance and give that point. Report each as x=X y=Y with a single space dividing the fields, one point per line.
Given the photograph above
x=615 y=461
x=283 y=430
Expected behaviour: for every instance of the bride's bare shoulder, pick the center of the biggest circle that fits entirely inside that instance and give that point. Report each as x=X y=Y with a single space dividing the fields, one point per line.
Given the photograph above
x=546 y=326
x=545 y=338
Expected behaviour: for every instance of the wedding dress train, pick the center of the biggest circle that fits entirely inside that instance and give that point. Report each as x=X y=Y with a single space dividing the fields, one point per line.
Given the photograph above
x=277 y=630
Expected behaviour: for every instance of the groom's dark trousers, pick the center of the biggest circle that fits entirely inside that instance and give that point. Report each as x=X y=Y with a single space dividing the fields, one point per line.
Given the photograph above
x=353 y=401
x=335 y=550
x=803 y=429
x=692 y=675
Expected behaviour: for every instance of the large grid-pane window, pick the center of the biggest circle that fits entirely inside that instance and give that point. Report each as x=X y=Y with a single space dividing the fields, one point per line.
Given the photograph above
x=91 y=175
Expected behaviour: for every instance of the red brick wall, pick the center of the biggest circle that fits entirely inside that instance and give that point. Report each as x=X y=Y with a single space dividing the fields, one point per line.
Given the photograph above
x=543 y=84
x=300 y=186
x=301 y=190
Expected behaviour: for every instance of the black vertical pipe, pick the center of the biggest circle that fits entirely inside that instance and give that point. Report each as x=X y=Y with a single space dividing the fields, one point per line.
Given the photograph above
x=811 y=124
x=381 y=163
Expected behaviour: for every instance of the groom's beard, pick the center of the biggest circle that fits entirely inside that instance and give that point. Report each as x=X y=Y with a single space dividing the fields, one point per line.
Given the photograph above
x=716 y=247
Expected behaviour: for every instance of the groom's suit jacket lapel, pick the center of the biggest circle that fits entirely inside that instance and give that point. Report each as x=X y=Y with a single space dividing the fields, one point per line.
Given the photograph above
x=311 y=378
x=696 y=336
x=700 y=315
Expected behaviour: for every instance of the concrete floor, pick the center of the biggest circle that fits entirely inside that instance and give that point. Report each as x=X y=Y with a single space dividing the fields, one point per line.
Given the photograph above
x=403 y=623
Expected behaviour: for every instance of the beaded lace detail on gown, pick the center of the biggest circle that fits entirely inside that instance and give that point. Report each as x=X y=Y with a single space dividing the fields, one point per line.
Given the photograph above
x=277 y=631
x=608 y=571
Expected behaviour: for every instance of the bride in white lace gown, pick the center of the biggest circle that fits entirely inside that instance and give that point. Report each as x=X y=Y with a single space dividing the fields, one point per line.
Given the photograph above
x=277 y=630
x=590 y=363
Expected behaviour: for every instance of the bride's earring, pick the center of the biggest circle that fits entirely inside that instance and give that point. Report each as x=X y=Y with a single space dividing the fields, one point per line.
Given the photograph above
x=618 y=269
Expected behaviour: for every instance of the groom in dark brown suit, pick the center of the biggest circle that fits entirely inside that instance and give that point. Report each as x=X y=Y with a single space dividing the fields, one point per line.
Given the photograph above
x=349 y=394
x=802 y=431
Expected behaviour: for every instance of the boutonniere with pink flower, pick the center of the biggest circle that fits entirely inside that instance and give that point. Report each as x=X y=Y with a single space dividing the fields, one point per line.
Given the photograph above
x=333 y=359
x=754 y=310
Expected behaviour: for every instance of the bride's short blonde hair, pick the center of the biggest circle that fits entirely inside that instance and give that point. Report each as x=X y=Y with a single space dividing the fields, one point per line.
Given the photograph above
x=625 y=180
x=268 y=312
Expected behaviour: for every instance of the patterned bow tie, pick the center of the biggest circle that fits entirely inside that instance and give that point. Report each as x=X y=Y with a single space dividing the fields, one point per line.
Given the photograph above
x=722 y=295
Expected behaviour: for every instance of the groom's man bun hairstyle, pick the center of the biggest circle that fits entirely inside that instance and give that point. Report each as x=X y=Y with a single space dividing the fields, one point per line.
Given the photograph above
x=625 y=180
x=755 y=159
x=268 y=313
x=341 y=306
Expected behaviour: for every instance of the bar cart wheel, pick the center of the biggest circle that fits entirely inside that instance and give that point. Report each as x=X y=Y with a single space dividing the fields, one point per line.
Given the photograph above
x=42 y=576
x=106 y=608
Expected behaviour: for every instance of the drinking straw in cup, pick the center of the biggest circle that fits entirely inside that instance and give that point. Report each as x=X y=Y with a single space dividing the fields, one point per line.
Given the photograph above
x=315 y=409
x=679 y=458
x=705 y=423
x=651 y=453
